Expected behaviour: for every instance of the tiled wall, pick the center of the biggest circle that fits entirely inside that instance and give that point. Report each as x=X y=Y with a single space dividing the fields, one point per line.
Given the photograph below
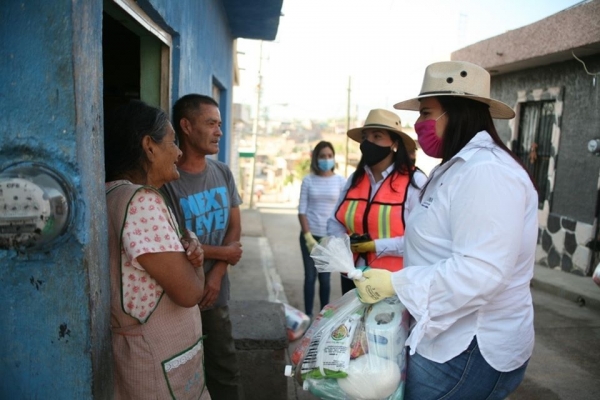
x=562 y=243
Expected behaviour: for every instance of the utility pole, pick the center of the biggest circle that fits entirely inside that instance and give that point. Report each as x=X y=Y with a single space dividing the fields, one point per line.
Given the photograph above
x=347 y=125
x=255 y=126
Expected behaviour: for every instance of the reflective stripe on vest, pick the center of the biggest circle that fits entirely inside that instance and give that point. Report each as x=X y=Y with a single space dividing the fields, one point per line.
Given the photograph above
x=383 y=217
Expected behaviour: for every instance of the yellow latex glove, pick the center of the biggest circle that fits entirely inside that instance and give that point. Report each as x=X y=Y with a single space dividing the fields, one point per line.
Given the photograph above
x=363 y=247
x=310 y=241
x=376 y=285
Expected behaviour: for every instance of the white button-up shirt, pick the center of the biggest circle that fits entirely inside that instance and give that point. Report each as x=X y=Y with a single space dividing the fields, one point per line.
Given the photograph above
x=385 y=246
x=469 y=257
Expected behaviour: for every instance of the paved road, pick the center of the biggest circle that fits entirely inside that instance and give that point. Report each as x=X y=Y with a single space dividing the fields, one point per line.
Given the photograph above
x=566 y=360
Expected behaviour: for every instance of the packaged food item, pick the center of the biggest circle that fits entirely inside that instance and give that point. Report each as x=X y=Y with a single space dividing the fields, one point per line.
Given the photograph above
x=359 y=343
x=342 y=305
x=370 y=377
x=331 y=348
x=385 y=330
x=352 y=350
x=359 y=346
x=296 y=322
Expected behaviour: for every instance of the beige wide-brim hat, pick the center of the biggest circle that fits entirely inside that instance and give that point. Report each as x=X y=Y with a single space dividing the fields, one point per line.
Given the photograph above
x=458 y=78
x=383 y=119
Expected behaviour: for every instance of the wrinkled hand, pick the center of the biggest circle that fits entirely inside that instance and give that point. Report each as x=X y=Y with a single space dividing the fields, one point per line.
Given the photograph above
x=193 y=249
x=212 y=288
x=363 y=247
x=310 y=241
x=234 y=253
x=376 y=285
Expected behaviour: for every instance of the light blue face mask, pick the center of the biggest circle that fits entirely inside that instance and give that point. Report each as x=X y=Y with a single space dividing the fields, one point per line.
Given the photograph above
x=325 y=164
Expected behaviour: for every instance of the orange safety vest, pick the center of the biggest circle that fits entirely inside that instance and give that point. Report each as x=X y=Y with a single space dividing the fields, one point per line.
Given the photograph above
x=383 y=217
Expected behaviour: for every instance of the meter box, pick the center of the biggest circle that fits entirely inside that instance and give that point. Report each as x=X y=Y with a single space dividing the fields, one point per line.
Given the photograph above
x=35 y=206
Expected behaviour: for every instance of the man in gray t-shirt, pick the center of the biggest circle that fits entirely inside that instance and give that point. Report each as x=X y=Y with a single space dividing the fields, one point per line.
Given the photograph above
x=202 y=203
x=206 y=201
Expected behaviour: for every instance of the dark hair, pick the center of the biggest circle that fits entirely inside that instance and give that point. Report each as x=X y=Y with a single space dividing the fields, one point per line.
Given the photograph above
x=403 y=163
x=188 y=106
x=314 y=161
x=125 y=128
x=466 y=118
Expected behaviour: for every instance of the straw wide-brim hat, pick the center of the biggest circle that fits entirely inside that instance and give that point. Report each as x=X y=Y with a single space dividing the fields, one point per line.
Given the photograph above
x=458 y=78
x=383 y=119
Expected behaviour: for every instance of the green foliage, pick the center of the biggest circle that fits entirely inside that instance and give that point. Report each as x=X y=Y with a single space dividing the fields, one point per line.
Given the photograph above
x=302 y=168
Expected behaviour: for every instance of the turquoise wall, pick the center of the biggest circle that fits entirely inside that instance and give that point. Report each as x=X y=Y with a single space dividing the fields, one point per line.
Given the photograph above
x=202 y=52
x=54 y=319
x=54 y=331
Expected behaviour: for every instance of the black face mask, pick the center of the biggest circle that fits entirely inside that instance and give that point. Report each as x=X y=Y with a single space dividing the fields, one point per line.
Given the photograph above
x=372 y=153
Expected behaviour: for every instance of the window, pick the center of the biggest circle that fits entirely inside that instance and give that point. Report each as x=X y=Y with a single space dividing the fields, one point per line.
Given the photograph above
x=216 y=93
x=220 y=96
x=534 y=143
x=136 y=56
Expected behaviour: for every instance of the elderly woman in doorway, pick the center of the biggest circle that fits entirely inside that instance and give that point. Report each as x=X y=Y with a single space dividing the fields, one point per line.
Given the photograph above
x=379 y=195
x=469 y=247
x=156 y=275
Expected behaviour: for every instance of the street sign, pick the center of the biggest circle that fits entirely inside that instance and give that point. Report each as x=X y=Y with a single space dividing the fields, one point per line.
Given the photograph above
x=246 y=154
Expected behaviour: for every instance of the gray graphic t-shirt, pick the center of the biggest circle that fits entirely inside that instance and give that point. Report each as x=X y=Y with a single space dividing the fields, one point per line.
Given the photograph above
x=202 y=203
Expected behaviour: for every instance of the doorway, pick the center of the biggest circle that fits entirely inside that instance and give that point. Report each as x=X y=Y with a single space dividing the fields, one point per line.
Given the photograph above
x=136 y=57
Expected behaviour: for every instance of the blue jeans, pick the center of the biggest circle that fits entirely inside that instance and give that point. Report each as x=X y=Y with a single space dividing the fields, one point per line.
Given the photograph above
x=466 y=376
x=347 y=284
x=310 y=278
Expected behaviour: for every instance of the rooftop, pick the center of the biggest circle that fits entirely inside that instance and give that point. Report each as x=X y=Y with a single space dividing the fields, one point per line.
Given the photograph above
x=256 y=19
x=556 y=38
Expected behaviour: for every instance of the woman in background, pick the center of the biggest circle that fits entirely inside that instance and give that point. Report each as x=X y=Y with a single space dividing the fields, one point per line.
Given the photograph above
x=318 y=194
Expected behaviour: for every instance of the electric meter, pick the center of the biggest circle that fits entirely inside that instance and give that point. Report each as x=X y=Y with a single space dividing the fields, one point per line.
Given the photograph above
x=35 y=206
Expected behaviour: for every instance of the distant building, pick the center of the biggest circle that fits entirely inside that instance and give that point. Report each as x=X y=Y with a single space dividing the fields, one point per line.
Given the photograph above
x=549 y=72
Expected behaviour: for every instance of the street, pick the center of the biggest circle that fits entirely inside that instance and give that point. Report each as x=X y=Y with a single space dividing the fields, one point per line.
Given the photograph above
x=566 y=360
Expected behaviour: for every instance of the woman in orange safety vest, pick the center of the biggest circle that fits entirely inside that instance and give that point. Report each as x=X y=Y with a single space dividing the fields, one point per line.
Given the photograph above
x=378 y=196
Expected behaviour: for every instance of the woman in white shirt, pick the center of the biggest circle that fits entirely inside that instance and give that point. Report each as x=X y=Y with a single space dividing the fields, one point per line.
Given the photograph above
x=379 y=195
x=470 y=247
x=319 y=191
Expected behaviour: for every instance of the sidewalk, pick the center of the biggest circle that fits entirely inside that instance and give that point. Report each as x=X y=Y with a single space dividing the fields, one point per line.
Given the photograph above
x=579 y=289
x=255 y=276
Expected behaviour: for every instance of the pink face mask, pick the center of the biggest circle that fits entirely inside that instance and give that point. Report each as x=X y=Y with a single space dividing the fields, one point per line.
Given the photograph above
x=429 y=141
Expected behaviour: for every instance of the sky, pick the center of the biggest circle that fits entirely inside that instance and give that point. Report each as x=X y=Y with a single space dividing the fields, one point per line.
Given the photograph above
x=381 y=46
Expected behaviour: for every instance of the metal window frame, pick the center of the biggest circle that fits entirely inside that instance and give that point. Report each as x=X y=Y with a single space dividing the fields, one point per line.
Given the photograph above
x=541 y=135
x=550 y=93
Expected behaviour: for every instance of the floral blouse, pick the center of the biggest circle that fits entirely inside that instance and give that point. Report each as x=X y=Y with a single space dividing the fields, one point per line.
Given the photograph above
x=149 y=228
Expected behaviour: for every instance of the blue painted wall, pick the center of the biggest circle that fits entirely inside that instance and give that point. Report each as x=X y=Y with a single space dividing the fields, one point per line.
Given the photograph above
x=54 y=318
x=202 y=52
